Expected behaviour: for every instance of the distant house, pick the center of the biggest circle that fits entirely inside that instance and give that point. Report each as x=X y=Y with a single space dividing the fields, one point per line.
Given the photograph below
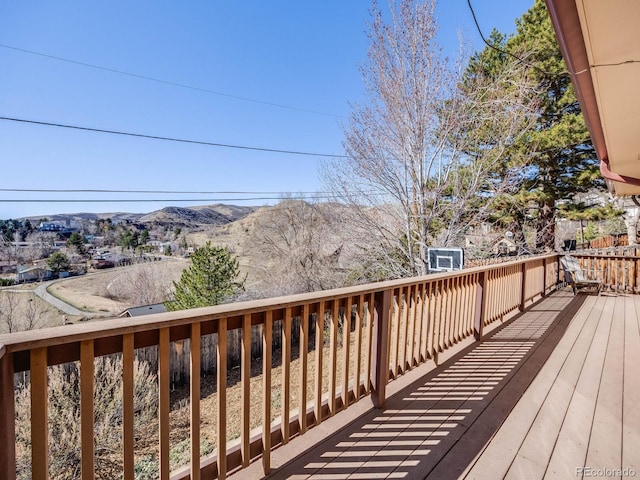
x=32 y=274
x=144 y=310
x=504 y=246
x=51 y=227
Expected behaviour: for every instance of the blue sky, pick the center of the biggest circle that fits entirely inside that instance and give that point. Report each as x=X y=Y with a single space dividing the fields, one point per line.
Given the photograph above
x=298 y=54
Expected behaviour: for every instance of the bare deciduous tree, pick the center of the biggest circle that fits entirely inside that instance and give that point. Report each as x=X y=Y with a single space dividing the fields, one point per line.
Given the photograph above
x=304 y=246
x=426 y=150
x=64 y=417
x=18 y=314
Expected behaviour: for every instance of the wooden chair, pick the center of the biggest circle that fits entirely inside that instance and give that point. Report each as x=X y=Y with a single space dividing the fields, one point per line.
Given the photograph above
x=574 y=275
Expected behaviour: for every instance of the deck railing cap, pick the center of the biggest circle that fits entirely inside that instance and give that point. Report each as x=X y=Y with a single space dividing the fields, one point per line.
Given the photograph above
x=111 y=326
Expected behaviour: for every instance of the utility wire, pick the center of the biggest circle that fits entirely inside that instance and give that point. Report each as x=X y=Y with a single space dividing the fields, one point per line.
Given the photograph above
x=129 y=200
x=172 y=139
x=91 y=190
x=167 y=82
x=544 y=72
x=176 y=200
x=500 y=50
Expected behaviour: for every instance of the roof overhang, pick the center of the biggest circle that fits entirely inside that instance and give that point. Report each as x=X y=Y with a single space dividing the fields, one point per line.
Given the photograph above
x=600 y=43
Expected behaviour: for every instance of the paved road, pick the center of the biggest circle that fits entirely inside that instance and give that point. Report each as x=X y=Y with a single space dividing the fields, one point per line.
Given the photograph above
x=41 y=291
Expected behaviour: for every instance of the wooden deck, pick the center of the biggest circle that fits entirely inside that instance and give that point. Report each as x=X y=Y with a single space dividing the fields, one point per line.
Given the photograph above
x=552 y=394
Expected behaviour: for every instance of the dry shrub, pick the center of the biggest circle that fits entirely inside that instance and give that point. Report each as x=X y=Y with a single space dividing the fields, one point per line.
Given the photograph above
x=144 y=284
x=64 y=418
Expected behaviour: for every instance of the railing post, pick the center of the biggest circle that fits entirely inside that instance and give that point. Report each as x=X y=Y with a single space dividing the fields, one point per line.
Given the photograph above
x=7 y=419
x=544 y=278
x=523 y=292
x=481 y=299
x=380 y=364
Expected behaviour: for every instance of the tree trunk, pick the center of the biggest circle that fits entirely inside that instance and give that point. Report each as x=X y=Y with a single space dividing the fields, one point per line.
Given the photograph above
x=631 y=221
x=546 y=227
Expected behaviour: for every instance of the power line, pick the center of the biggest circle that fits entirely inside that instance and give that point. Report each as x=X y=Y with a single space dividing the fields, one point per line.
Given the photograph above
x=505 y=52
x=178 y=200
x=172 y=139
x=91 y=190
x=130 y=200
x=168 y=82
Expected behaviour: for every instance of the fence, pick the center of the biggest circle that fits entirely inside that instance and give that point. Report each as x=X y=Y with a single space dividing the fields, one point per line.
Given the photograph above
x=360 y=337
x=618 y=269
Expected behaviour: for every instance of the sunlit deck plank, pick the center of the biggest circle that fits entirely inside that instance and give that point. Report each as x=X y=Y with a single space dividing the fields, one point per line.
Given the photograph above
x=572 y=443
x=631 y=385
x=563 y=362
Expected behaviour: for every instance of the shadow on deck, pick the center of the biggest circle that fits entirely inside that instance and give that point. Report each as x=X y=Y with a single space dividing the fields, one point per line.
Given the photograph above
x=439 y=426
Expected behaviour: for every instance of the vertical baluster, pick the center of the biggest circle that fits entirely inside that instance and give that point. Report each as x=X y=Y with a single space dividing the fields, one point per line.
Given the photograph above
x=426 y=321
x=39 y=405
x=333 y=346
x=267 y=339
x=448 y=340
x=194 y=393
x=357 y=365
x=86 y=409
x=411 y=320
x=222 y=397
x=304 y=347
x=404 y=319
x=346 y=341
x=441 y=308
x=370 y=312
x=163 y=401
x=286 y=374
x=457 y=310
x=318 y=379
x=128 y=445
x=397 y=305
x=464 y=306
x=245 y=381
x=420 y=289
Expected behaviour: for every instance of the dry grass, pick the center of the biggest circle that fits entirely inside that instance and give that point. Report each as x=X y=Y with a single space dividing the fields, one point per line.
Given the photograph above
x=180 y=412
x=49 y=316
x=114 y=290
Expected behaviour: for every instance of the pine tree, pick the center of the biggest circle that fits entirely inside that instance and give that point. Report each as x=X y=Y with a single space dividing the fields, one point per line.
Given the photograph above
x=58 y=262
x=211 y=279
x=564 y=163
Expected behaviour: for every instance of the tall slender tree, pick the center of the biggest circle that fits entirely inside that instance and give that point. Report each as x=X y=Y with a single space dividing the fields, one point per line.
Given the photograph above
x=412 y=175
x=564 y=162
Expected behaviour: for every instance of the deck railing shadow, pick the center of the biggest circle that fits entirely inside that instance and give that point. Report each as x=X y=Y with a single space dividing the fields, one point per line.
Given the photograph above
x=437 y=425
x=391 y=329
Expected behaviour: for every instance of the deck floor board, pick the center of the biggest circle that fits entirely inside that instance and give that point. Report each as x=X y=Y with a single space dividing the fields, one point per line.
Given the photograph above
x=554 y=391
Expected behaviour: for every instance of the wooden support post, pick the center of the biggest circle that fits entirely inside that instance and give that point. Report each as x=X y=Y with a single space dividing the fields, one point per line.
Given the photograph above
x=7 y=419
x=481 y=300
x=380 y=353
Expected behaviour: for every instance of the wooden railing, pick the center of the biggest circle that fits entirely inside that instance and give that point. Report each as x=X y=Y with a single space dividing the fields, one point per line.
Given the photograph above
x=363 y=336
x=617 y=272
